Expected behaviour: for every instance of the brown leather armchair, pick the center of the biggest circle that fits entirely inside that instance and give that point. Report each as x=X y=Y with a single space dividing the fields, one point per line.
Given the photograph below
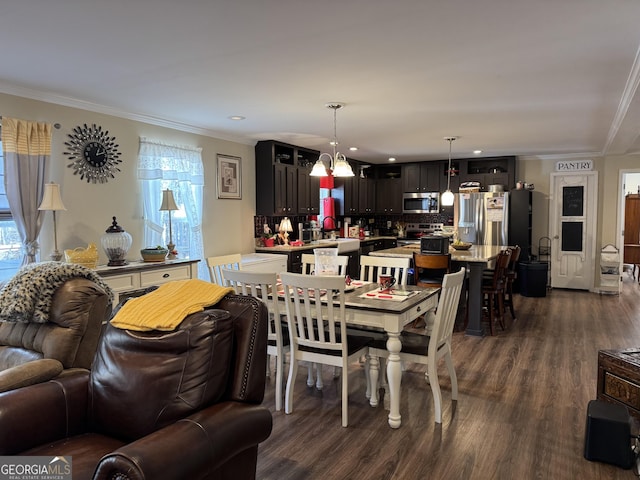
x=36 y=352
x=156 y=405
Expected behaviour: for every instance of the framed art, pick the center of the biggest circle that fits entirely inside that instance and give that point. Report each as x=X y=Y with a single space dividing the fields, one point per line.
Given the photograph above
x=229 y=177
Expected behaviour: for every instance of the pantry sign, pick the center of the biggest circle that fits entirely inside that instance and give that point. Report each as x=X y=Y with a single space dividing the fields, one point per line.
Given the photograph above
x=574 y=166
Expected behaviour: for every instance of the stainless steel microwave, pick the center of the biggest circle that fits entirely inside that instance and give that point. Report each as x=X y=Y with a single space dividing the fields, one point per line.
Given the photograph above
x=427 y=202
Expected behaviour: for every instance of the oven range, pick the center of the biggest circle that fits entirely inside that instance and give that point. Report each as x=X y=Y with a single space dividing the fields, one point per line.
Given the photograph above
x=415 y=231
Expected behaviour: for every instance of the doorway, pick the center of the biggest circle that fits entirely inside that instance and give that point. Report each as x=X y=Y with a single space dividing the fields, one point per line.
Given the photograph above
x=572 y=227
x=629 y=183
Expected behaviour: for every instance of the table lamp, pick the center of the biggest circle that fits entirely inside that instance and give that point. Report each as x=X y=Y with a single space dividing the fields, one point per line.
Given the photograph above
x=51 y=201
x=169 y=204
x=285 y=228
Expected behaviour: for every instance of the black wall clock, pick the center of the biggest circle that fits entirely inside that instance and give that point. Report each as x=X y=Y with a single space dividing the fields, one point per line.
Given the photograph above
x=93 y=154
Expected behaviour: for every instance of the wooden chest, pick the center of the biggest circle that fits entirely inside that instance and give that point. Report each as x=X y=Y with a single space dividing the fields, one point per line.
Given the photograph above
x=619 y=378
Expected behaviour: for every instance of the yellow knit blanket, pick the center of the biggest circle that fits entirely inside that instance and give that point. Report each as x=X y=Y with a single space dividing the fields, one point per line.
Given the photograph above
x=166 y=307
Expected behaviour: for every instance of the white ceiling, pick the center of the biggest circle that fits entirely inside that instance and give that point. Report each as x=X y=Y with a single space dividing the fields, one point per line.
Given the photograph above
x=509 y=77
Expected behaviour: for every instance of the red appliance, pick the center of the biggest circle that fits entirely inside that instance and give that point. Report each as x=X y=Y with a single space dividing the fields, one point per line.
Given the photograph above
x=329 y=210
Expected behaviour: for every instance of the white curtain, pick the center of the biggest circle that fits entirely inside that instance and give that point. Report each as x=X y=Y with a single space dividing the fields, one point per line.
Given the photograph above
x=27 y=149
x=178 y=168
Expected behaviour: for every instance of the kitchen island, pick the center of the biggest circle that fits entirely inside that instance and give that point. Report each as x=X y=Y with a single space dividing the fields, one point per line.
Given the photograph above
x=352 y=247
x=475 y=260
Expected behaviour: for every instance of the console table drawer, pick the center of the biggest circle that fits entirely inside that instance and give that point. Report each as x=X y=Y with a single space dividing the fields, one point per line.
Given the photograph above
x=622 y=390
x=120 y=283
x=158 y=277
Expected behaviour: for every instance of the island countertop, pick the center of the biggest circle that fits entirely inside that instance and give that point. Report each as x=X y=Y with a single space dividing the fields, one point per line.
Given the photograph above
x=477 y=253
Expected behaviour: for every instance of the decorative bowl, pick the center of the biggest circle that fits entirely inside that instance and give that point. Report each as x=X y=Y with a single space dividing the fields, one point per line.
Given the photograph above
x=462 y=246
x=157 y=254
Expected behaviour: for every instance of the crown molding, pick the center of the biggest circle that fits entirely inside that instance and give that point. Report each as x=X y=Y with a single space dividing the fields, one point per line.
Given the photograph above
x=65 y=101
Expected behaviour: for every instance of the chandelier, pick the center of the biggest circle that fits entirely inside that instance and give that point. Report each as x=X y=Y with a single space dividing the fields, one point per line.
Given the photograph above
x=338 y=162
x=447 y=196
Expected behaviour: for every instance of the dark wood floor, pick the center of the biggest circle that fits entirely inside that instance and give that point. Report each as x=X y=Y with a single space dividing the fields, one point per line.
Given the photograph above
x=521 y=411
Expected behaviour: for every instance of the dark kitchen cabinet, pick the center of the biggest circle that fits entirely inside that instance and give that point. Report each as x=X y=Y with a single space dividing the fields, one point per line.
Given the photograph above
x=521 y=221
x=283 y=186
x=389 y=196
x=285 y=178
x=421 y=177
x=308 y=192
x=366 y=195
x=489 y=171
x=347 y=192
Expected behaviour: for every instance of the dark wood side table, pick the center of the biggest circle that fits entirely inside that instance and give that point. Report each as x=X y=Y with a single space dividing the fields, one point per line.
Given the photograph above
x=619 y=378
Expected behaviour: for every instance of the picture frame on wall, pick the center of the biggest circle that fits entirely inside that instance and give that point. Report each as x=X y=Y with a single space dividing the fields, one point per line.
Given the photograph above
x=229 y=177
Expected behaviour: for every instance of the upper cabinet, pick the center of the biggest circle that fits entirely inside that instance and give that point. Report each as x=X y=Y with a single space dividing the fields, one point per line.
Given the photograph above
x=367 y=192
x=489 y=171
x=283 y=184
x=389 y=190
x=308 y=186
x=421 y=177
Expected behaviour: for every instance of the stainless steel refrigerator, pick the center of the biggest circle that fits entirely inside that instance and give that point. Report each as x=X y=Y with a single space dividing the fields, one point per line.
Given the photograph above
x=482 y=218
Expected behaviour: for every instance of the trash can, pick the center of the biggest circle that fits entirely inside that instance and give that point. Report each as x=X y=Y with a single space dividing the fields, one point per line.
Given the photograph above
x=532 y=277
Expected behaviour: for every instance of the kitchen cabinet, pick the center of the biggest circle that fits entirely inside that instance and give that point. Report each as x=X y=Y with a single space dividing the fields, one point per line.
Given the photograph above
x=283 y=186
x=308 y=192
x=347 y=192
x=489 y=171
x=521 y=222
x=366 y=195
x=389 y=196
x=421 y=177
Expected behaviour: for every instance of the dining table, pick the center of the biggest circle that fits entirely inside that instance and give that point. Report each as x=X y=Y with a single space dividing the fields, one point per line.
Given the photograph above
x=366 y=305
x=476 y=259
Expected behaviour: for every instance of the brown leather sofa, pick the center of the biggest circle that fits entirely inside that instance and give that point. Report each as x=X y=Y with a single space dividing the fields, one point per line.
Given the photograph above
x=36 y=352
x=181 y=405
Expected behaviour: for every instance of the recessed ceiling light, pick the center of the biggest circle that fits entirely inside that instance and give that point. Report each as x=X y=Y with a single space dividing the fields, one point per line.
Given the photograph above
x=477 y=152
x=353 y=149
x=236 y=117
x=392 y=159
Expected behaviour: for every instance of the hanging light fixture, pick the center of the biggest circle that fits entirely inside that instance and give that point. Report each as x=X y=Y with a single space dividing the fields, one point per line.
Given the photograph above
x=338 y=163
x=447 y=196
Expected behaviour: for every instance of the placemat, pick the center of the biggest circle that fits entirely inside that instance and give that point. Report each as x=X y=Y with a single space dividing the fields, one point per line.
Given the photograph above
x=394 y=297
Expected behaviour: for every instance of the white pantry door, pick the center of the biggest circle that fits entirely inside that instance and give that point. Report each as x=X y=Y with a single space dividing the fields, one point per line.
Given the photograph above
x=572 y=227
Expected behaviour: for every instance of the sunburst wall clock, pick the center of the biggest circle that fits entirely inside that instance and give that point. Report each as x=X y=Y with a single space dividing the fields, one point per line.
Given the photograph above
x=93 y=154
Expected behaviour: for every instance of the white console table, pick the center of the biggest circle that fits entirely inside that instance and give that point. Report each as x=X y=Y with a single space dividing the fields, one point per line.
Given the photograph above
x=135 y=276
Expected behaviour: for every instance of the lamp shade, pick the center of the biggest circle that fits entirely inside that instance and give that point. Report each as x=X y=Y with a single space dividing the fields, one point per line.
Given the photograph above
x=168 y=202
x=447 y=198
x=319 y=169
x=285 y=225
x=51 y=199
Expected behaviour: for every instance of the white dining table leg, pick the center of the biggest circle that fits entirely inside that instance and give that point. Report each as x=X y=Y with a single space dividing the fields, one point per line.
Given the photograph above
x=394 y=377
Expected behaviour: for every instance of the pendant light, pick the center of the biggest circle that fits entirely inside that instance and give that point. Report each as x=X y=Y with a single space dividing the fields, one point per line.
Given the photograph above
x=447 y=196
x=338 y=163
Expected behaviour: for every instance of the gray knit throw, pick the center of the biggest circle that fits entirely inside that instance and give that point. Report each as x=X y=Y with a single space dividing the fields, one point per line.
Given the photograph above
x=28 y=295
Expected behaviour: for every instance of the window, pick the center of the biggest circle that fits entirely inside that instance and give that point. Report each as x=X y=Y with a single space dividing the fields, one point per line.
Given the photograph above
x=179 y=169
x=10 y=256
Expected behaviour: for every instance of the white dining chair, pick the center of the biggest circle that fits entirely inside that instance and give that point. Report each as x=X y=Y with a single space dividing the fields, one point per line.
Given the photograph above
x=318 y=330
x=371 y=267
x=308 y=268
x=216 y=264
x=428 y=350
x=264 y=287
x=309 y=263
